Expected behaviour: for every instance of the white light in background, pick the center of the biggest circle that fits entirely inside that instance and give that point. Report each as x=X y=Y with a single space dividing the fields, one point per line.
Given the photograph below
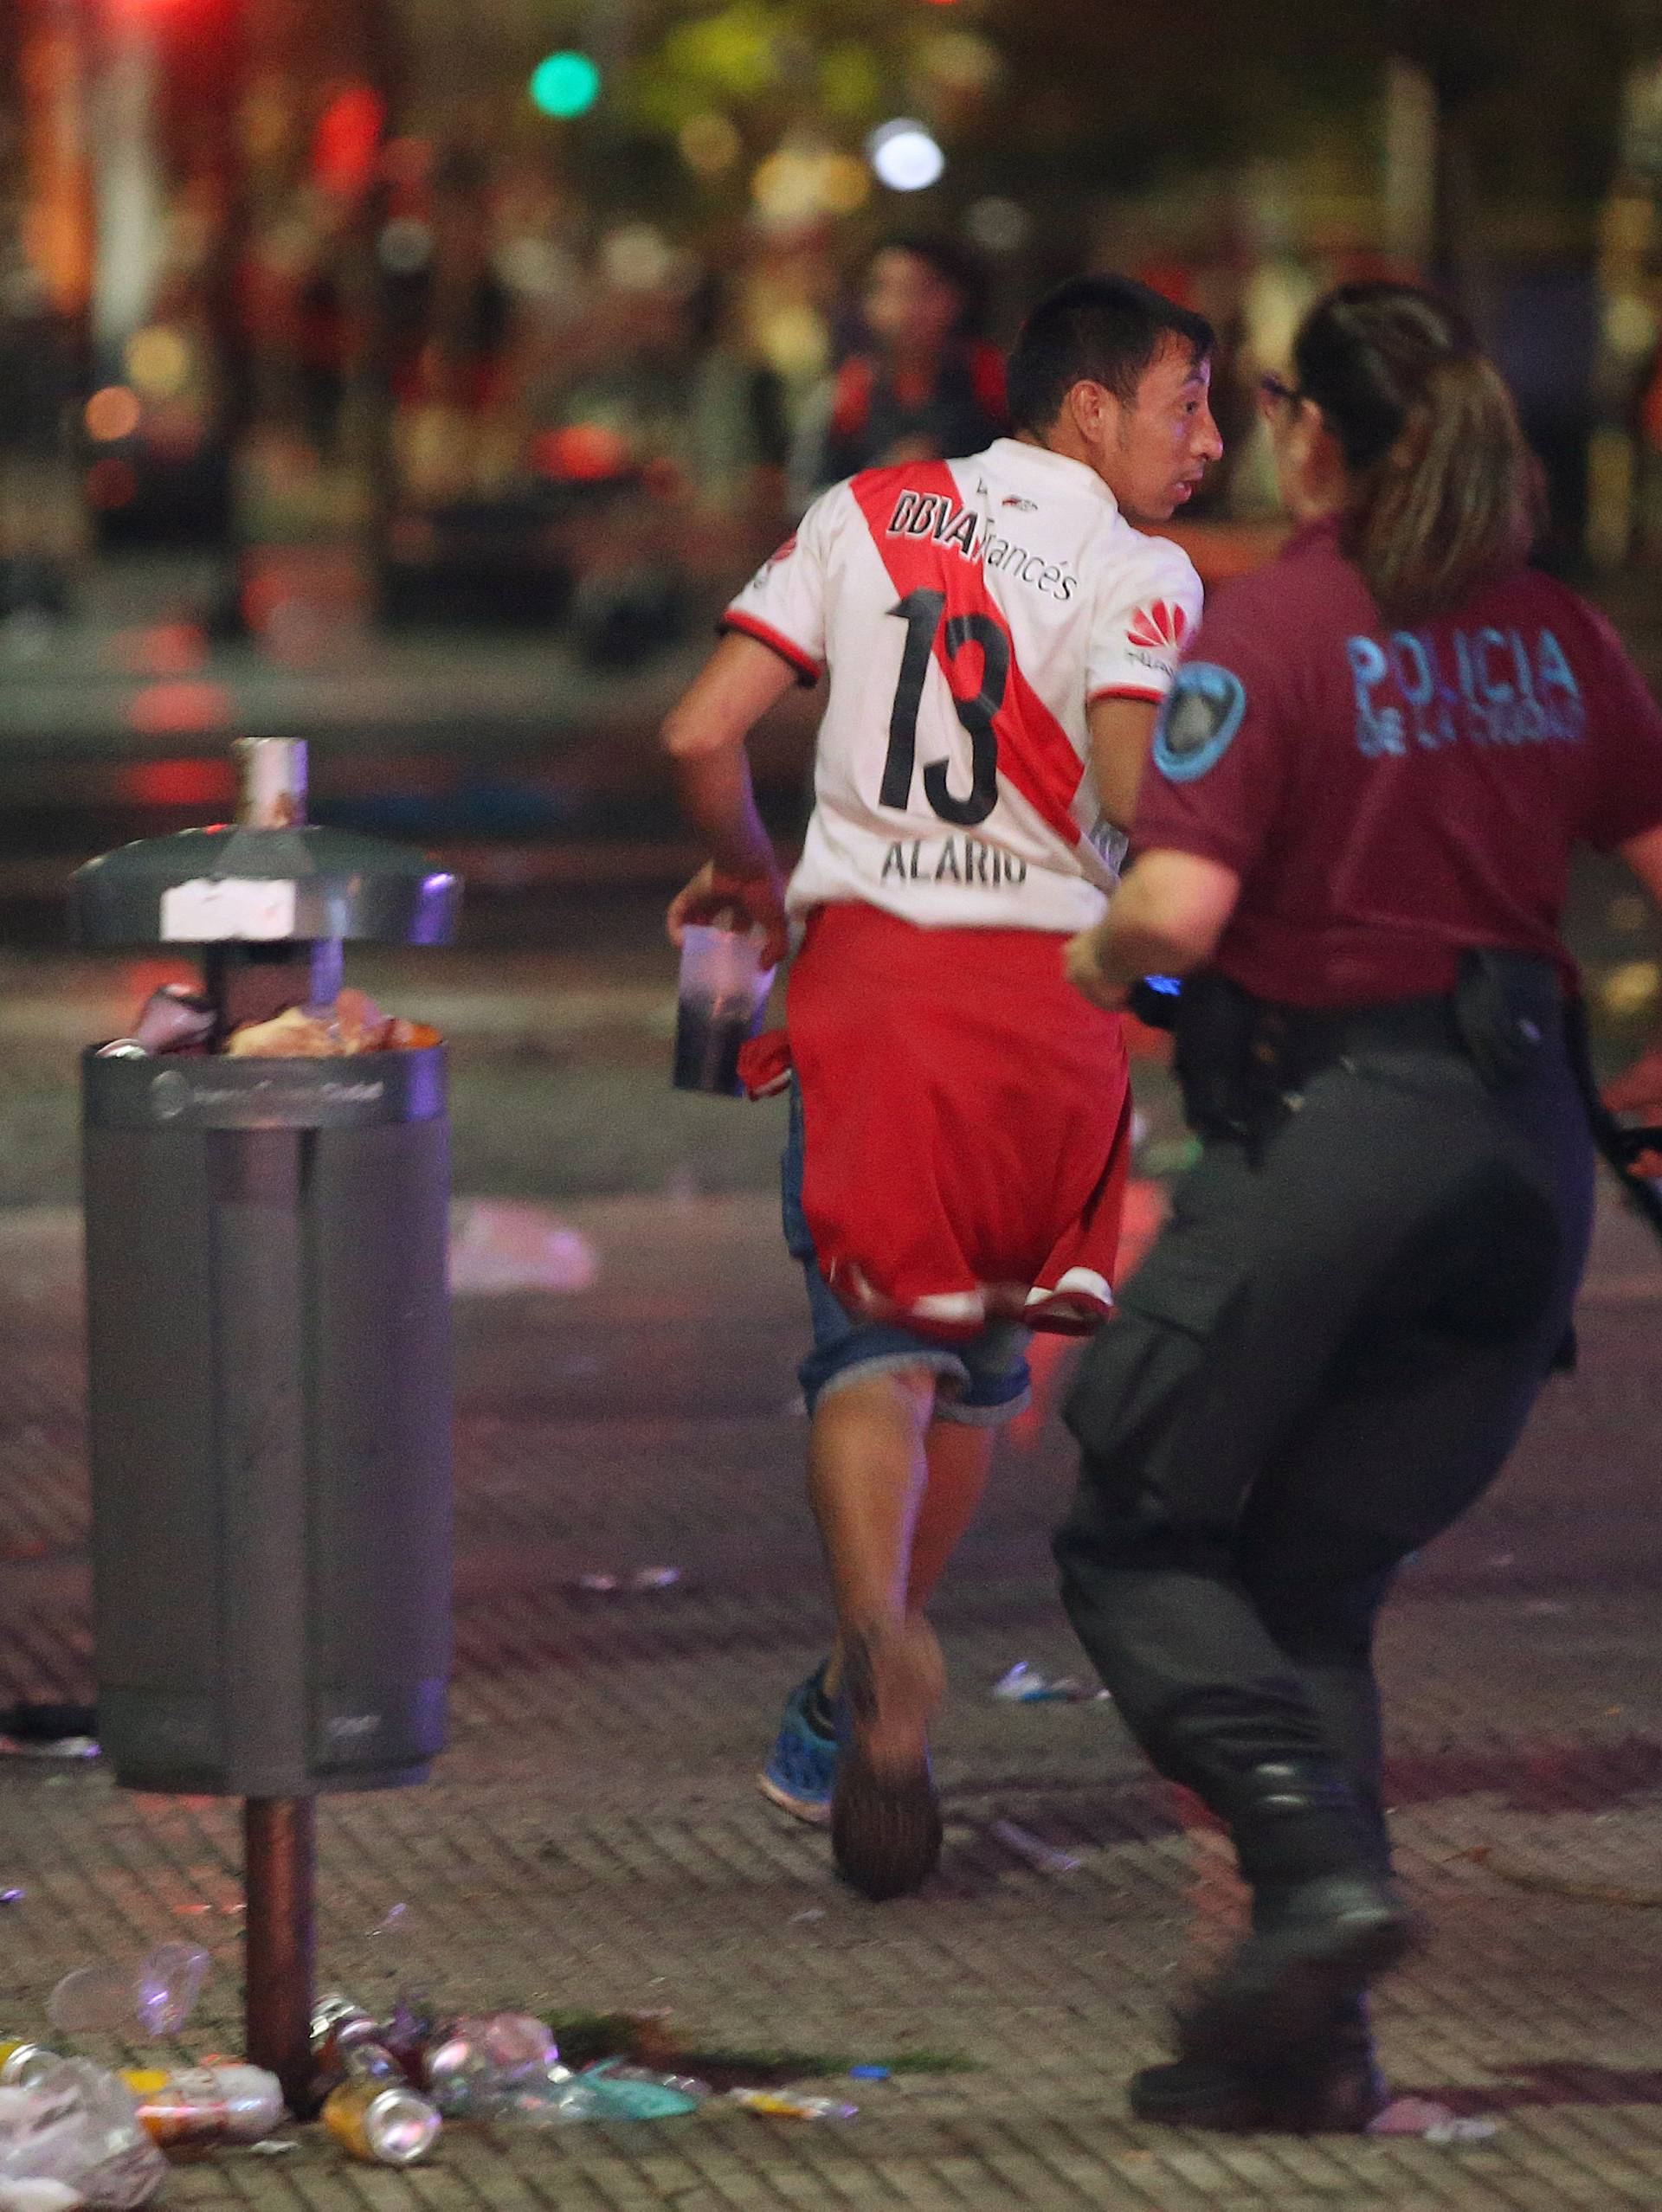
x=905 y=156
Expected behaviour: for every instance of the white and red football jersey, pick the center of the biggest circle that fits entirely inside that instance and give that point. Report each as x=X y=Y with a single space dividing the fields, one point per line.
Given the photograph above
x=968 y=612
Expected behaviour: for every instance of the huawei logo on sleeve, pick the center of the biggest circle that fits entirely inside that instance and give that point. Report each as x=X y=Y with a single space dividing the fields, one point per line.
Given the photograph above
x=1162 y=626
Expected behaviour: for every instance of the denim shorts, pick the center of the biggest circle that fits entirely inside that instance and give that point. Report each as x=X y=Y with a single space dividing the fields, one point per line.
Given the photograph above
x=981 y=1382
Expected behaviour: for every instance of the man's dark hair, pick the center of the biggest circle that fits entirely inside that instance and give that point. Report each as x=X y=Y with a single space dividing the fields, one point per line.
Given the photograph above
x=1099 y=329
x=958 y=268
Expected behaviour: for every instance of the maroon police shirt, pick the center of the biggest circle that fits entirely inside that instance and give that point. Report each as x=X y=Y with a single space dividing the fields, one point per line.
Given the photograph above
x=1391 y=797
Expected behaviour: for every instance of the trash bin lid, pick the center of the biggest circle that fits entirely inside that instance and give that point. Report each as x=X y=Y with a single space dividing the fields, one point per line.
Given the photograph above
x=207 y=886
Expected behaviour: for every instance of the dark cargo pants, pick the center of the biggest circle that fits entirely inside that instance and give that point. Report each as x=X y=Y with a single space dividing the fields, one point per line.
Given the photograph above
x=1328 y=1355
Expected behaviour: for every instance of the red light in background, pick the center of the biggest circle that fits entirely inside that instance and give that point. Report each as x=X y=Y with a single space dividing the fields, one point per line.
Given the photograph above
x=347 y=141
x=180 y=709
x=179 y=783
x=584 y=453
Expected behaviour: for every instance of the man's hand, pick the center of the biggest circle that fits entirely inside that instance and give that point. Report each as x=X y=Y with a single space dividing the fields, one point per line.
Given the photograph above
x=1640 y=1091
x=713 y=896
x=1082 y=963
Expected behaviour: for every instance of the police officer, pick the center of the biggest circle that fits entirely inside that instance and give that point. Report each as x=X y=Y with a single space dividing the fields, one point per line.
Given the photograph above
x=1354 y=839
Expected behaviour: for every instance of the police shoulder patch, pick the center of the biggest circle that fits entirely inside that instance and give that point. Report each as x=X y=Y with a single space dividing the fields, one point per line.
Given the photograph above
x=1199 y=721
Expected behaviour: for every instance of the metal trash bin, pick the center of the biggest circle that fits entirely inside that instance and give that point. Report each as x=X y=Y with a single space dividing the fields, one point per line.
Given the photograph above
x=268 y=1330
x=269 y=1356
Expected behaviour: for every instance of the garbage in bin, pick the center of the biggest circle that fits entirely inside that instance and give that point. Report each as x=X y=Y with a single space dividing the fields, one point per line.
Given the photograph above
x=353 y=1024
x=172 y=1020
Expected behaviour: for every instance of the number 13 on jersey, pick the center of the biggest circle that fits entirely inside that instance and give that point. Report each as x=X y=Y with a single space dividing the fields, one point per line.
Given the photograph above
x=924 y=615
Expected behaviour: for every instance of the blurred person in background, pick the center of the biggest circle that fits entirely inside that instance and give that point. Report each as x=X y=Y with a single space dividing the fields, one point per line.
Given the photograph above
x=997 y=636
x=923 y=385
x=1355 y=838
x=452 y=322
x=322 y=337
x=734 y=441
x=670 y=437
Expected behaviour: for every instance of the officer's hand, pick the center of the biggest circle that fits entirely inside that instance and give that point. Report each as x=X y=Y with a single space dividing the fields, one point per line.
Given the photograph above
x=719 y=900
x=1082 y=962
x=1640 y=1091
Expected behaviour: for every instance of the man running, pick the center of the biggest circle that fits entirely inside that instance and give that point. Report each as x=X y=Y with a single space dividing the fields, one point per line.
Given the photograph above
x=997 y=638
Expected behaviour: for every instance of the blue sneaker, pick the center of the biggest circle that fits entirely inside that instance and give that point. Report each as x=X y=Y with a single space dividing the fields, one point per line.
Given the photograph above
x=801 y=1769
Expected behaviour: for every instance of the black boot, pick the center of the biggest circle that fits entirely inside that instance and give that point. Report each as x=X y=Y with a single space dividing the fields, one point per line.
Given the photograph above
x=1333 y=2087
x=1326 y=1920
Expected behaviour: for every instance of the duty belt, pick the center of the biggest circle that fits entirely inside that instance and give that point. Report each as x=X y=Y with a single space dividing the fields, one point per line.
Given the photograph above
x=1239 y=1058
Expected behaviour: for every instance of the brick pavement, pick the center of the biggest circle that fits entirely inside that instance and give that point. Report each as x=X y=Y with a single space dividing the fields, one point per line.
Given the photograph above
x=593 y=1841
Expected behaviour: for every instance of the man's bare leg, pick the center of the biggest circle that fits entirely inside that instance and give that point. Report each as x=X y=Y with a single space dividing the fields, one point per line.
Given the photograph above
x=869 y=1478
x=960 y=1458
x=868 y=1475
x=878 y=1531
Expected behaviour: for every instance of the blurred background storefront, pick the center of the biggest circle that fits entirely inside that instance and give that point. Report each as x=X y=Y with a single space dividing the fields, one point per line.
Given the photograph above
x=417 y=378
x=527 y=306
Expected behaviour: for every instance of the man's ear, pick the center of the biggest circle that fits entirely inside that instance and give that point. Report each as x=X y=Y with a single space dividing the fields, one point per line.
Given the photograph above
x=1091 y=407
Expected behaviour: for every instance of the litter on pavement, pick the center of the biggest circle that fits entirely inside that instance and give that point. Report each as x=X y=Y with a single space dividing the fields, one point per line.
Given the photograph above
x=1032 y=1850
x=1432 y=2122
x=636 y=1582
x=1026 y=1684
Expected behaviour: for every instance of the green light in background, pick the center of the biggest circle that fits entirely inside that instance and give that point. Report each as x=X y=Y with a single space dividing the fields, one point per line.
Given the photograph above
x=565 y=85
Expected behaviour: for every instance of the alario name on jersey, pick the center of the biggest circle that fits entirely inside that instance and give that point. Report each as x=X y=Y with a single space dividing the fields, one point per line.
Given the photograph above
x=955 y=861
x=961 y=531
